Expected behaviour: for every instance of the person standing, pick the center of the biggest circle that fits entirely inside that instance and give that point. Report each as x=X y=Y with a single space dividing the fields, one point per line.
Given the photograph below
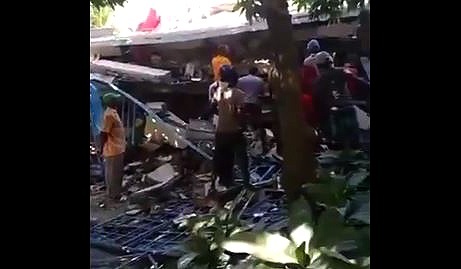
x=221 y=58
x=253 y=87
x=339 y=124
x=230 y=142
x=312 y=48
x=309 y=75
x=113 y=146
x=330 y=81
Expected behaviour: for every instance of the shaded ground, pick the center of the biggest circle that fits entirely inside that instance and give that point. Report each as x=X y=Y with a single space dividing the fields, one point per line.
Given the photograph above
x=106 y=213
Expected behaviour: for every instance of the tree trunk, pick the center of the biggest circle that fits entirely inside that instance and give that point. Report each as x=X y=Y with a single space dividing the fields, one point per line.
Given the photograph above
x=297 y=138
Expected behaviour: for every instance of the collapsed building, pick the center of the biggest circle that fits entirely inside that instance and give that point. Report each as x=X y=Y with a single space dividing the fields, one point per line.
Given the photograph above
x=167 y=167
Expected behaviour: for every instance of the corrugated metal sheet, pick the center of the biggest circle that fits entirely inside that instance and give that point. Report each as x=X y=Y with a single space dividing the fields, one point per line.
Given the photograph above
x=130 y=71
x=182 y=36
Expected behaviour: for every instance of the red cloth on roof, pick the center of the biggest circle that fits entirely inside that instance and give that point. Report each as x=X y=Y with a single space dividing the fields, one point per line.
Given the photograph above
x=151 y=22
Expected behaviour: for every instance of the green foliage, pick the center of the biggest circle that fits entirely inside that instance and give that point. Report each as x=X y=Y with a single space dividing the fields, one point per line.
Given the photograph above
x=99 y=16
x=315 y=8
x=106 y=3
x=320 y=244
x=336 y=237
x=344 y=183
x=207 y=234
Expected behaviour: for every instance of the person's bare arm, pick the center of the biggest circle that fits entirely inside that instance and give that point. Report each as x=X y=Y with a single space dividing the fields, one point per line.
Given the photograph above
x=107 y=125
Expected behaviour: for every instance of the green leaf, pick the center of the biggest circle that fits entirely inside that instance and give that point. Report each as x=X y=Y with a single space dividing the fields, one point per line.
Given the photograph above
x=330 y=230
x=336 y=255
x=328 y=262
x=303 y=258
x=195 y=223
x=265 y=246
x=198 y=245
x=358 y=208
x=200 y=266
x=363 y=241
x=300 y=221
x=363 y=262
x=266 y=266
x=357 y=177
x=237 y=6
x=361 y=214
x=219 y=236
x=186 y=260
x=331 y=191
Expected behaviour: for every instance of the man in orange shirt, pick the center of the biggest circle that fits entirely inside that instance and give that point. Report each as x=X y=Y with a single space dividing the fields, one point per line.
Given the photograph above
x=221 y=58
x=113 y=146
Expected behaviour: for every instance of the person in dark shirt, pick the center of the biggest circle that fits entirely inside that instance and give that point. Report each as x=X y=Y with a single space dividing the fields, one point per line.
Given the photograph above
x=309 y=74
x=309 y=71
x=253 y=87
x=331 y=82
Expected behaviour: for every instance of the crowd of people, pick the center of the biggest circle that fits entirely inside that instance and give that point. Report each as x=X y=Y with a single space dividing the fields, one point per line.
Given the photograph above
x=236 y=101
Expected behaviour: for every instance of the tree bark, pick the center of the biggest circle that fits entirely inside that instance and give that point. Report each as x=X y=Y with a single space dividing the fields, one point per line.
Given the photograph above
x=297 y=138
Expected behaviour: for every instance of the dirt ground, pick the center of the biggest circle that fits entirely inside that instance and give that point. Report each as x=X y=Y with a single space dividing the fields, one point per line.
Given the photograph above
x=103 y=214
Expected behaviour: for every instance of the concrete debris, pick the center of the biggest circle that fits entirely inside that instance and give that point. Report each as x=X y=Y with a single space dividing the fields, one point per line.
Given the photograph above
x=96 y=170
x=200 y=130
x=131 y=206
x=147 y=190
x=206 y=188
x=256 y=148
x=204 y=177
x=93 y=221
x=133 y=167
x=182 y=218
x=133 y=212
x=133 y=189
x=97 y=188
x=150 y=147
x=135 y=164
x=164 y=158
x=269 y=134
x=163 y=174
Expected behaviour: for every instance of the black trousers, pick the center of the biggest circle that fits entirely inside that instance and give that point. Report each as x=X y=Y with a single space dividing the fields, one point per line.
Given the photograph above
x=230 y=148
x=253 y=118
x=211 y=109
x=276 y=129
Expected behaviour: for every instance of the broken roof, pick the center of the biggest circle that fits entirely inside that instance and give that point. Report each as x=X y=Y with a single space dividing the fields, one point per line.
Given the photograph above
x=143 y=38
x=130 y=71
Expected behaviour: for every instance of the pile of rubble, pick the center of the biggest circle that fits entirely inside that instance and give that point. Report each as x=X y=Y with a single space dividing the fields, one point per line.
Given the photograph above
x=160 y=232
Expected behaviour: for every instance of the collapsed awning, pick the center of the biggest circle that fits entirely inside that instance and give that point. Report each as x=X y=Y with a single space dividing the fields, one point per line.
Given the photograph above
x=205 y=31
x=130 y=71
